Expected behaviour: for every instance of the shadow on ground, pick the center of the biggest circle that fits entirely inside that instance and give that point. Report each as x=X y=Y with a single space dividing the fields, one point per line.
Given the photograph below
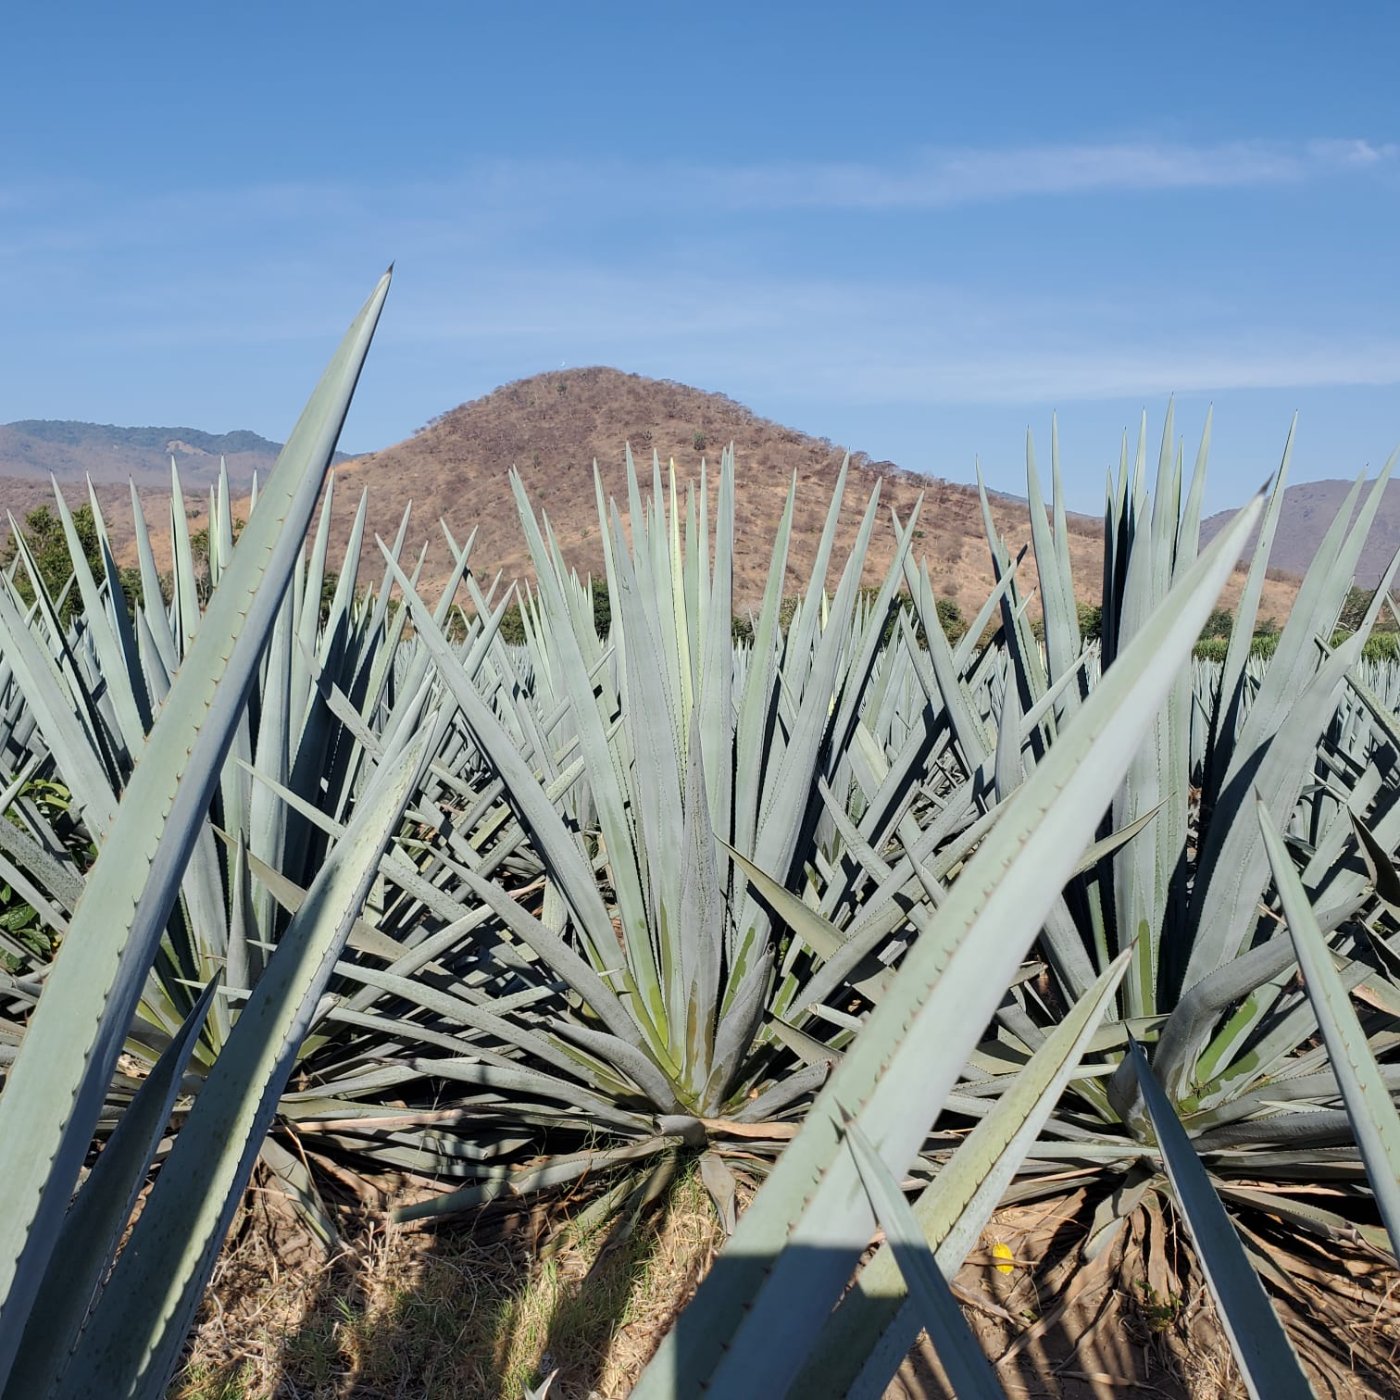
x=480 y=1313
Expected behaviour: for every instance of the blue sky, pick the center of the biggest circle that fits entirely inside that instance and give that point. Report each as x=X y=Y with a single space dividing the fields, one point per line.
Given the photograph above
x=916 y=229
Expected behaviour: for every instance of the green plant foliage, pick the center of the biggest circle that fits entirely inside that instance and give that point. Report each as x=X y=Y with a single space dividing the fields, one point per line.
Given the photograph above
x=46 y=551
x=1219 y=624
x=125 y=954
x=796 y=1245
x=951 y=619
x=566 y=888
x=677 y=1049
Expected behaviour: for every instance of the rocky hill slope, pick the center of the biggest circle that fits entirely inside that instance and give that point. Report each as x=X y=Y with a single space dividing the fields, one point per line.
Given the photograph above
x=553 y=427
x=1308 y=509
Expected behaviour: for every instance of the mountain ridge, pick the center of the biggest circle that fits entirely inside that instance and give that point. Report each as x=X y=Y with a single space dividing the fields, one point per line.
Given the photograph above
x=73 y=450
x=552 y=428
x=1307 y=510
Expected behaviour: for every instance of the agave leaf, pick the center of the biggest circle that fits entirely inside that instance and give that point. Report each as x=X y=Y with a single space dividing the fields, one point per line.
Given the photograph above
x=364 y=937
x=184 y=582
x=538 y=815
x=112 y=659
x=701 y=915
x=68 y=730
x=790 y=789
x=292 y=1177
x=134 y=1337
x=715 y=701
x=95 y=1221
x=1062 y=641
x=131 y=679
x=968 y=1369
x=854 y=694
x=1231 y=693
x=897 y=1073
x=1100 y=850
x=1267 y=1361
x=751 y=741
x=1327 y=1224
x=938 y=675
x=557 y=1171
x=1234 y=866
x=1379 y=866
x=1313 y=614
x=818 y=933
x=464 y=1013
x=874 y=1326
x=56 y=1086
x=607 y=787
x=156 y=618
x=1369 y=1102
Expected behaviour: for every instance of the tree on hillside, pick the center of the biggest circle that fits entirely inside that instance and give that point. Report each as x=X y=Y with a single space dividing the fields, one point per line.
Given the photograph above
x=1354 y=609
x=1358 y=600
x=1220 y=623
x=43 y=533
x=512 y=629
x=199 y=552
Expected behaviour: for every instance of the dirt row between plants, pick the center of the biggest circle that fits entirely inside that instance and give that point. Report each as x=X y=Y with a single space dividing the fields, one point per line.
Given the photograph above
x=487 y=1311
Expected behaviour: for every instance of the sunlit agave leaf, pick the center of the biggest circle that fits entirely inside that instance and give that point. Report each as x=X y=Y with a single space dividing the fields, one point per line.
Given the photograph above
x=116 y=614
x=55 y=1089
x=1370 y=1103
x=134 y=1337
x=607 y=784
x=1234 y=869
x=130 y=728
x=898 y=1071
x=70 y=731
x=96 y=1220
x=874 y=1326
x=967 y=1367
x=1062 y=640
x=1230 y=694
x=540 y=817
x=1267 y=1362
x=1313 y=615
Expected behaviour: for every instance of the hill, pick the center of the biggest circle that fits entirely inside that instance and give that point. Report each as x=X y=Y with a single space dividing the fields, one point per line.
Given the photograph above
x=553 y=427
x=1308 y=509
x=37 y=448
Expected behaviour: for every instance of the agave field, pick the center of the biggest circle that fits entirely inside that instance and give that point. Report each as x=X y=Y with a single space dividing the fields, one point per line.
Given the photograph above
x=894 y=930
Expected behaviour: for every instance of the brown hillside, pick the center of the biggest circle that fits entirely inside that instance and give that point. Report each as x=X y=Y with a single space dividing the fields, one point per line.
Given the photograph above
x=1308 y=510
x=552 y=427
x=74 y=452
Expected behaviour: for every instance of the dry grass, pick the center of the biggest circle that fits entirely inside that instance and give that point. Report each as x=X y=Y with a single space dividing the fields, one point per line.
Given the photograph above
x=1138 y=1319
x=402 y=1313
x=405 y=1314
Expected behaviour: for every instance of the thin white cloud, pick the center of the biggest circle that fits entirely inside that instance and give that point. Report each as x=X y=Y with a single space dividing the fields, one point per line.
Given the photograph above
x=1194 y=366
x=507 y=267
x=944 y=178
x=859 y=341
x=487 y=199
